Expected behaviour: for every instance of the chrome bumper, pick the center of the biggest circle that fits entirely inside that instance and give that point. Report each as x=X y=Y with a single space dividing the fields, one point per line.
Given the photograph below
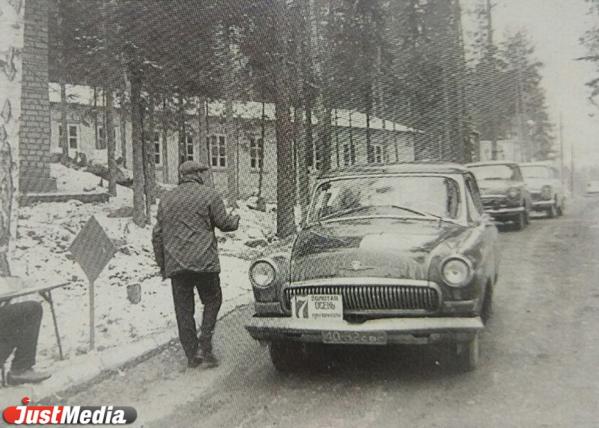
x=505 y=211
x=543 y=204
x=398 y=330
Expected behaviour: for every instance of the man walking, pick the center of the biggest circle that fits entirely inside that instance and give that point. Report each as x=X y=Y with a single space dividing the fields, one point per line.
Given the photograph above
x=186 y=250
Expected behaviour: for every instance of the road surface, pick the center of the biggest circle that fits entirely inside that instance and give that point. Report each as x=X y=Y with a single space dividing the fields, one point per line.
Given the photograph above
x=538 y=365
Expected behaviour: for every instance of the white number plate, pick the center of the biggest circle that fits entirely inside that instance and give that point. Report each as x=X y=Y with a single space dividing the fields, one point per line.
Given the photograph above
x=317 y=307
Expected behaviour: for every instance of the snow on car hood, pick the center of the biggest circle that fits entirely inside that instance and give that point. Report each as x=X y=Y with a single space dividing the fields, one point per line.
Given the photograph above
x=389 y=248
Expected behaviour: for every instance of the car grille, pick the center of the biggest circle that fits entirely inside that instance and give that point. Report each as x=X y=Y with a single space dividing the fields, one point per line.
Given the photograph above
x=494 y=202
x=358 y=298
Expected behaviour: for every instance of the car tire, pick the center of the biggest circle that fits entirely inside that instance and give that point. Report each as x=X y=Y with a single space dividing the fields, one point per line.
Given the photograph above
x=285 y=356
x=560 y=209
x=552 y=211
x=520 y=221
x=468 y=354
x=487 y=309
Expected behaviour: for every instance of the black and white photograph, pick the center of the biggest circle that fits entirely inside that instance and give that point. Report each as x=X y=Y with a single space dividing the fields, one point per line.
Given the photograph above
x=299 y=213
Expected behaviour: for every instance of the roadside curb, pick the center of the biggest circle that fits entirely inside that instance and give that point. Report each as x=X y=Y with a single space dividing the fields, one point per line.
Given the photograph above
x=76 y=371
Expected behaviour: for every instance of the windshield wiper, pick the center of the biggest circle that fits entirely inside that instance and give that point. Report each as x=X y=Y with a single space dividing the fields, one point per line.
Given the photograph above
x=424 y=214
x=344 y=212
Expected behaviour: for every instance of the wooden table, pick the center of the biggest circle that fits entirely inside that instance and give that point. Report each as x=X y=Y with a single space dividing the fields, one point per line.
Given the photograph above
x=12 y=287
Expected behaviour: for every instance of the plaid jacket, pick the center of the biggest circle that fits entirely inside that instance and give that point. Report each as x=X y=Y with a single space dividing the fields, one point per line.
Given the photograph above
x=183 y=237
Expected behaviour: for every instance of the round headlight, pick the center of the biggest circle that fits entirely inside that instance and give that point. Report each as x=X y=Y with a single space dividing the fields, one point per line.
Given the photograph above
x=262 y=274
x=513 y=193
x=546 y=192
x=456 y=272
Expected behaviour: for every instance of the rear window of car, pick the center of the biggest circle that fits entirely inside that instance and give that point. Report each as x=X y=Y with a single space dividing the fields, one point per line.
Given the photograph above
x=538 y=172
x=495 y=172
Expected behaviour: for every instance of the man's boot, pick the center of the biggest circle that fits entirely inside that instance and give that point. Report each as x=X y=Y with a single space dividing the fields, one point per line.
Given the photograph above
x=205 y=352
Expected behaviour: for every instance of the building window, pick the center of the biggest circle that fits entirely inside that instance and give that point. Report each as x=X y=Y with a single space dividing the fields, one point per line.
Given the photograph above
x=101 y=139
x=218 y=151
x=73 y=136
x=317 y=157
x=189 y=147
x=377 y=151
x=256 y=153
x=157 y=149
x=349 y=154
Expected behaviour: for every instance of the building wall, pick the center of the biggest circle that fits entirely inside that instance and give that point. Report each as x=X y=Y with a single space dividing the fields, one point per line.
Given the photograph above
x=396 y=147
x=34 y=140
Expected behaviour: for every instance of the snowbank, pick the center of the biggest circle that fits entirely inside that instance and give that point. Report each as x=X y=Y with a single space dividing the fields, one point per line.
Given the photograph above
x=45 y=232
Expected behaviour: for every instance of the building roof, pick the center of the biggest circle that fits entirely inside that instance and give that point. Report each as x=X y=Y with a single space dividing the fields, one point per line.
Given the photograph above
x=489 y=163
x=84 y=95
x=398 y=168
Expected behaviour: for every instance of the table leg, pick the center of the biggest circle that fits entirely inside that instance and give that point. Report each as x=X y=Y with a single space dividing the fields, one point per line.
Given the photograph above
x=47 y=295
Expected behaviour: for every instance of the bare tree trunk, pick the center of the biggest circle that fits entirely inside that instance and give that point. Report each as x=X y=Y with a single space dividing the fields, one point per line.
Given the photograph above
x=261 y=152
x=64 y=108
x=123 y=127
x=139 y=217
x=230 y=130
x=284 y=131
x=203 y=154
x=181 y=128
x=10 y=104
x=303 y=184
x=207 y=117
x=164 y=138
x=149 y=163
x=111 y=144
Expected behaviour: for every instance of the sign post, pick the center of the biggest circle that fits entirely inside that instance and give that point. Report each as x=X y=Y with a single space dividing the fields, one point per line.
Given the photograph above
x=92 y=249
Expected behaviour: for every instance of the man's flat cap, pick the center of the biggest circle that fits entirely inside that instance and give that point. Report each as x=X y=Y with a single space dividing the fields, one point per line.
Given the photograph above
x=191 y=167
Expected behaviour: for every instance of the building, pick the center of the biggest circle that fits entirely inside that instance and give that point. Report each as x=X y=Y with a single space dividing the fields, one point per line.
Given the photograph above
x=506 y=150
x=391 y=142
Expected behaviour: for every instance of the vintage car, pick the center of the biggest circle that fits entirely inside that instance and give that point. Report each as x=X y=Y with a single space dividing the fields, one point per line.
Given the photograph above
x=544 y=184
x=504 y=193
x=394 y=254
x=592 y=188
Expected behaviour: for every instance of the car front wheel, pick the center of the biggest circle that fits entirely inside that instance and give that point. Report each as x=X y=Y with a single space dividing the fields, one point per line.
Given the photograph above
x=520 y=221
x=468 y=354
x=552 y=211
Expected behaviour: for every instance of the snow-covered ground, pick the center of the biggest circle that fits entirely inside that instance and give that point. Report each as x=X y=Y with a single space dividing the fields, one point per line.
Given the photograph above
x=45 y=232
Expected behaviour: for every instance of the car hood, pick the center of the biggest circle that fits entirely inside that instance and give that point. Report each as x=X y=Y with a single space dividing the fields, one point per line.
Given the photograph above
x=536 y=184
x=392 y=248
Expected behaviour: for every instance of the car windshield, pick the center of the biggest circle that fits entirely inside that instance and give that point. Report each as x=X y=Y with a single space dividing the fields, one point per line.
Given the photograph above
x=537 y=172
x=494 y=172
x=397 y=196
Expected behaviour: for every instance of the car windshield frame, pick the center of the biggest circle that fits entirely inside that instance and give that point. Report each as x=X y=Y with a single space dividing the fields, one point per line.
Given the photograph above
x=513 y=169
x=402 y=212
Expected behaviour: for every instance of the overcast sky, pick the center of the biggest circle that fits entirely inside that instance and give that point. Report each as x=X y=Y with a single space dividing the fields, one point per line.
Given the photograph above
x=555 y=27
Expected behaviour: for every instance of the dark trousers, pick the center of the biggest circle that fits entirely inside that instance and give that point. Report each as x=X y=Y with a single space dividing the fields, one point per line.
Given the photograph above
x=208 y=286
x=19 y=330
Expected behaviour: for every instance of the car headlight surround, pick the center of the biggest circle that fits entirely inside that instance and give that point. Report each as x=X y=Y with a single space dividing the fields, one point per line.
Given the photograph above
x=513 y=193
x=457 y=271
x=263 y=274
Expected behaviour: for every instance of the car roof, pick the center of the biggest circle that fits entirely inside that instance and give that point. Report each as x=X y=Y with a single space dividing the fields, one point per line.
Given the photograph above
x=397 y=168
x=538 y=163
x=489 y=163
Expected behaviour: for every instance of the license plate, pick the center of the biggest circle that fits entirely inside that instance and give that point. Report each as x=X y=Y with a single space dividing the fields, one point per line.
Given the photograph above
x=355 y=337
x=317 y=307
